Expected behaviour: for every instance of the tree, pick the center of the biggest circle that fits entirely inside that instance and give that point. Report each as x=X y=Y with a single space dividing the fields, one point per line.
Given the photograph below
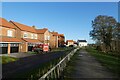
x=116 y=38
x=102 y=32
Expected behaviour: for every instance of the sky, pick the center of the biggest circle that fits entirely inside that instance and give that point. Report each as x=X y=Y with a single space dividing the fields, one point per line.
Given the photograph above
x=73 y=19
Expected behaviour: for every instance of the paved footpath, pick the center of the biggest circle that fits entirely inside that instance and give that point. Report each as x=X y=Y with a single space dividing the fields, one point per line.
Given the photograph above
x=86 y=66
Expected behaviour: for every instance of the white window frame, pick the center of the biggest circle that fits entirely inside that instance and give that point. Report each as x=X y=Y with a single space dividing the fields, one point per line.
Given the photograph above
x=0 y=31
x=9 y=33
x=48 y=37
x=45 y=37
x=35 y=36
x=25 y=35
x=32 y=37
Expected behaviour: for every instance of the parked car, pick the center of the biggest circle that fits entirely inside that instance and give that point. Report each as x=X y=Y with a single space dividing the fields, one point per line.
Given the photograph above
x=71 y=46
x=40 y=48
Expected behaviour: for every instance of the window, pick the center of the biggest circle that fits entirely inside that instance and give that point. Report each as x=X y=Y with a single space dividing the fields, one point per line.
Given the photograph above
x=31 y=36
x=35 y=36
x=0 y=31
x=9 y=33
x=47 y=37
x=14 y=45
x=3 y=45
x=25 y=35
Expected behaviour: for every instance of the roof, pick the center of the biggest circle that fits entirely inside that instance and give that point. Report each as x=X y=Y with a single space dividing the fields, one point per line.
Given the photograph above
x=24 y=27
x=31 y=40
x=5 y=23
x=82 y=41
x=54 y=33
x=10 y=39
x=41 y=31
x=60 y=34
x=69 y=41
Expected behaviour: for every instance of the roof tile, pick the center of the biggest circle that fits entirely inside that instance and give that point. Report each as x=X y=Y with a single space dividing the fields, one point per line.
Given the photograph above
x=31 y=40
x=24 y=27
x=5 y=23
x=41 y=31
x=10 y=39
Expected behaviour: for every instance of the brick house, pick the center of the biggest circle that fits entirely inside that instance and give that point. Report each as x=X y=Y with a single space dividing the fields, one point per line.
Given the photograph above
x=8 y=41
x=69 y=42
x=61 y=40
x=43 y=35
x=28 y=36
x=54 y=39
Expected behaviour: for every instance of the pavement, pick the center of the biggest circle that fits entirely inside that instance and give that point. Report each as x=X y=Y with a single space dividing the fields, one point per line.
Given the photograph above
x=86 y=66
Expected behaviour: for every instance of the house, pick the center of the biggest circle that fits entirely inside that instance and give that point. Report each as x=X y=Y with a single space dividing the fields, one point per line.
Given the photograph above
x=27 y=35
x=61 y=40
x=8 y=41
x=54 y=39
x=43 y=35
x=69 y=42
x=82 y=43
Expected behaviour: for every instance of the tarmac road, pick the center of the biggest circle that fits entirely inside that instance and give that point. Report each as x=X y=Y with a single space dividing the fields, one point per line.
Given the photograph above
x=27 y=63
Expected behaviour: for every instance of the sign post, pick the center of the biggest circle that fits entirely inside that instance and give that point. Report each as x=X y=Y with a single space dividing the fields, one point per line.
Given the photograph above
x=45 y=47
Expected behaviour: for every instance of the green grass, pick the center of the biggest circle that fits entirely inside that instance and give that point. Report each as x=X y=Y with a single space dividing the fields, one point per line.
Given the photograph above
x=62 y=49
x=32 y=52
x=7 y=59
x=70 y=67
x=109 y=61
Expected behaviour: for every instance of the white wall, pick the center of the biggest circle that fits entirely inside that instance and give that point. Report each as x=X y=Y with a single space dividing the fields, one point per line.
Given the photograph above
x=81 y=44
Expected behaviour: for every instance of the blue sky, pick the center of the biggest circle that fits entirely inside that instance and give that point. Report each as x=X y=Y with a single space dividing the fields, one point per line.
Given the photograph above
x=71 y=19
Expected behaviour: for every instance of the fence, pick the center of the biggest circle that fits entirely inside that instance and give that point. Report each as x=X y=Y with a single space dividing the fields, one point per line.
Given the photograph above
x=57 y=69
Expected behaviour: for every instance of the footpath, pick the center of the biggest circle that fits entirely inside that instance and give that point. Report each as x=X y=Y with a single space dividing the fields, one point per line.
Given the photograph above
x=87 y=67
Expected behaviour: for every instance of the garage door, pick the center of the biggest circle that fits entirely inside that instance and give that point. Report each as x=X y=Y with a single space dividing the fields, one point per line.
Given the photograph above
x=14 y=48
x=3 y=48
x=30 y=48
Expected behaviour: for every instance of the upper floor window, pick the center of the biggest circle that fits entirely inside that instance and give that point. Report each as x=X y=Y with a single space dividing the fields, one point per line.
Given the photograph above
x=0 y=30
x=9 y=33
x=32 y=36
x=35 y=36
x=47 y=37
x=25 y=35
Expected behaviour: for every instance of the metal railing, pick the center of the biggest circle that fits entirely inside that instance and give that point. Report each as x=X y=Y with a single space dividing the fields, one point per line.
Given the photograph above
x=57 y=69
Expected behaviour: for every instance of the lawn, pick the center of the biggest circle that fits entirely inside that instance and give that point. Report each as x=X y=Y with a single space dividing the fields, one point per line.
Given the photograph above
x=7 y=59
x=109 y=61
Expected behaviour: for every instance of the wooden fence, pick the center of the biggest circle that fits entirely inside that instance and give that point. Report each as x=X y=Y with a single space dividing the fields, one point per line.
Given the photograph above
x=57 y=69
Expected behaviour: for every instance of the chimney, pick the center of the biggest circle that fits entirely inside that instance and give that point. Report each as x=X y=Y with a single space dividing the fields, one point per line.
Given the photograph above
x=34 y=27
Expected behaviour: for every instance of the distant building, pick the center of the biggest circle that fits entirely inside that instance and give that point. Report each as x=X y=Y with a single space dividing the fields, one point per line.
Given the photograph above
x=82 y=43
x=69 y=42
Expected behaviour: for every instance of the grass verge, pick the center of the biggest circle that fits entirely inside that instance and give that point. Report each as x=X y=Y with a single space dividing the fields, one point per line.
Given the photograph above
x=109 y=61
x=7 y=59
x=70 y=67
